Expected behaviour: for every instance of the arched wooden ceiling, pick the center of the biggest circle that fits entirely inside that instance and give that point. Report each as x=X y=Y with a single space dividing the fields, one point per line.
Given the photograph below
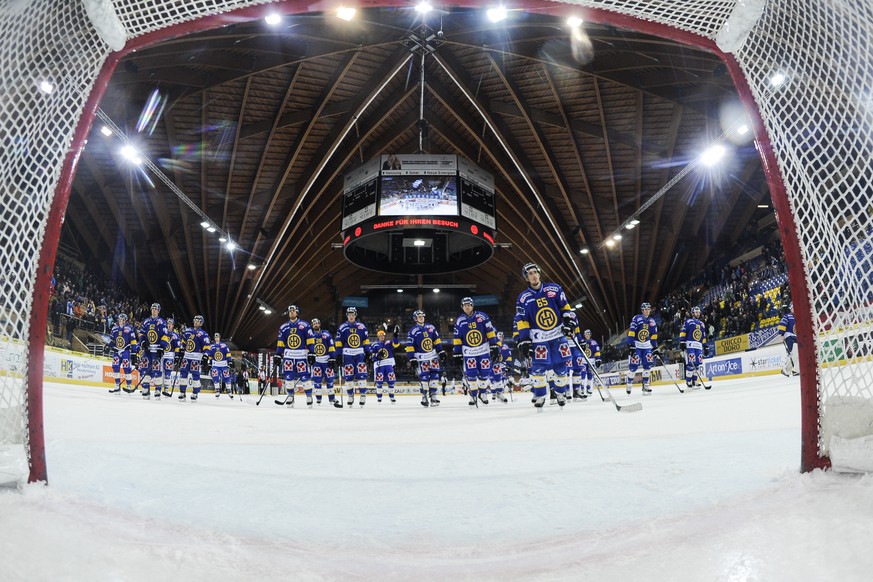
x=258 y=124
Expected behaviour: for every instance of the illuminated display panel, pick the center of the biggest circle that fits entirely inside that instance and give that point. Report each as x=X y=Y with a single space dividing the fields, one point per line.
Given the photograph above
x=418 y=196
x=359 y=203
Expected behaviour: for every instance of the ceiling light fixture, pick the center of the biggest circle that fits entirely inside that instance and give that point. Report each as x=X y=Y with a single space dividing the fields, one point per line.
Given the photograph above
x=105 y=131
x=584 y=250
x=273 y=19
x=574 y=22
x=436 y=290
x=345 y=13
x=712 y=155
x=496 y=14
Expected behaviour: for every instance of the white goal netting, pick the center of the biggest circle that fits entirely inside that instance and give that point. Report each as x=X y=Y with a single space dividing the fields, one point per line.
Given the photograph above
x=818 y=142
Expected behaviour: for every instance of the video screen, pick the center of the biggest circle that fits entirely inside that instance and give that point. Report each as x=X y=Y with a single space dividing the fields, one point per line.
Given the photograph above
x=419 y=195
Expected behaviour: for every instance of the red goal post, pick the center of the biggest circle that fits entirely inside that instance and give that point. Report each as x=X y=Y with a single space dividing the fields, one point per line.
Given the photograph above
x=813 y=132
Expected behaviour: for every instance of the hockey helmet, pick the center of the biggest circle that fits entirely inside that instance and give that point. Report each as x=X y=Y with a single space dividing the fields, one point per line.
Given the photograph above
x=216 y=336
x=695 y=311
x=198 y=319
x=170 y=320
x=294 y=307
x=352 y=310
x=529 y=267
x=380 y=334
x=315 y=321
x=500 y=335
x=587 y=333
x=467 y=301
x=416 y=313
x=645 y=306
x=156 y=306
x=786 y=309
x=122 y=317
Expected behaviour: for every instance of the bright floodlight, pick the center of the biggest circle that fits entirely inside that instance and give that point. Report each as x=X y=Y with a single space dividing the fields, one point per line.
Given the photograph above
x=252 y=267
x=584 y=251
x=418 y=242
x=496 y=14
x=46 y=87
x=222 y=239
x=578 y=306
x=400 y=290
x=210 y=229
x=105 y=131
x=616 y=237
x=634 y=222
x=630 y=226
x=262 y=308
x=436 y=290
x=712 y=155
x=267 y=312
x=273 y=19
x=204 y=224
x=345 y=13
x=574 y=22
x=423 y=7
x=777 y=79
x=130 y=154
x=610 y=243
x=230 y=245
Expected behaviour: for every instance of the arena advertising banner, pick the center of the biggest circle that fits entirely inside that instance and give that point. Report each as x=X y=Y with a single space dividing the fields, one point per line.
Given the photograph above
x=65 y=366
x=739 y=343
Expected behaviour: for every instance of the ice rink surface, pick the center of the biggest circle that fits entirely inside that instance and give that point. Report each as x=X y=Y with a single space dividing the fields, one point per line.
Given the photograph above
x=697 y=487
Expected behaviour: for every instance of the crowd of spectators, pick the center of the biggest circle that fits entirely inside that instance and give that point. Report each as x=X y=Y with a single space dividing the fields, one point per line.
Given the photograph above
x=82 y=299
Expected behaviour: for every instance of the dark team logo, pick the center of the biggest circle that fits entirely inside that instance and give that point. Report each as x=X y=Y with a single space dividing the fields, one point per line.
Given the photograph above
x=320 y=349
x=697 y=334
x=643 y=334
x=218 y=356
x=354 y=341
x=474 y=338
x=294 y=342
x=152 y=336
x=190 y=345
x=119 y=342
x=546 y=318
x=427 y=344
x=587 y=351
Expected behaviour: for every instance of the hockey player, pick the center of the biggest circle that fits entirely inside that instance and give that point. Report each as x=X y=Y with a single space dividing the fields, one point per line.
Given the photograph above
x=383 y=362
x=322 y=362
x=499 y=368
x=425 y=352
x=293 y=355
x=219 y=355
x=475 y=345
x=578 y=366
x=544 y=320
x=642 y=337
x=353 y=346
x=122 y=342
x=592 y=350
x=789 y=339
x=692 y=338
x=171 y=360
x=152 y=337
x=195 y=342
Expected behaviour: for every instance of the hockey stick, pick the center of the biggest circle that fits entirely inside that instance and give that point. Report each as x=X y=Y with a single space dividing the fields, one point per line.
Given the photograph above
x=635 y=407
x=273 y=379
x=666 y=371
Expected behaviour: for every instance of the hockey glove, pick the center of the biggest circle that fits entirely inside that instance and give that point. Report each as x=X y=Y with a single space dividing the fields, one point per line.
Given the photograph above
x=524 y=348
x=160 y=353
x=443 y=357
x=495 y=354
x=567 y=327
x=277 y=361
x=396 y=331
x=331 y=362
x=177 y=361
x=656 y=351
x=311 y=359
x=134 y=359
x=230 y=363
x=459 y=358
x=204 y=362
x=598 y=362
x=411 y=364
x=682 y=346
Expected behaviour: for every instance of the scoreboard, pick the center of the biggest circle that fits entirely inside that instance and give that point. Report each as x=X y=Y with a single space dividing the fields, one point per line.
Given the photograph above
x=418 y=214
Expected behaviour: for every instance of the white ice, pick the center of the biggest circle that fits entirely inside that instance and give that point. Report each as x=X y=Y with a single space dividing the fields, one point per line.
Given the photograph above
x=700 y=486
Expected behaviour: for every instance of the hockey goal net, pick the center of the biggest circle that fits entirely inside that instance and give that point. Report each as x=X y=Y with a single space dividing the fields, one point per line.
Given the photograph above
x=813 y=130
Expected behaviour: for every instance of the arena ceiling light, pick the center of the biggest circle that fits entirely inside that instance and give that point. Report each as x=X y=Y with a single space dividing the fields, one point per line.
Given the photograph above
x=46 y=87
x=345 y=13
x=574 y=22
x=418 y=243
x=496 y=13
x=400 y=290
x=436 y=290
x=616 y=237
x=222 y=239
x=273 y=19
x=712 y=155
x=204 y=224
x=423 y=7
x=777 y=79
x=251 y=267
x=105 y=131
x=130 y=153
x=743 y=129
x=230 y=245
x=584 y=250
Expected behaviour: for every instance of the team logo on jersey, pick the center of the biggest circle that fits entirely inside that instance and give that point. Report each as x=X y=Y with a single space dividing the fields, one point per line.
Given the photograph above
x=471 y=363
x=294 y=341
x=218 y=356
x=320 y=350
x=474 y=337
x=152 y=336
x=541 y=352
x=119 y=342
x=587 y=351
x=546 y=318
x=427 y=344
x=643 y=334
x=697 y=334
x=354 y=341
x=565 y=350
x=190 y=345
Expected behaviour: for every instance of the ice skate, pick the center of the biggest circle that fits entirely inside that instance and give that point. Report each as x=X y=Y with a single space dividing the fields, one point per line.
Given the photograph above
x=309 y=401
x=145 y=395
x=647 y=391
x=562 y=399
x=501 y=397
x=193 y=397
x=351 y=400
x=434 y=401
x=362 y=400
x=115 y=390
x=424 y=401
x=182 y=396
